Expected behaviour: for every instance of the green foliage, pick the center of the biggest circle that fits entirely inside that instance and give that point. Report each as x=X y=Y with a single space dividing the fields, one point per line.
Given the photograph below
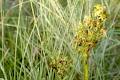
x=31 y=31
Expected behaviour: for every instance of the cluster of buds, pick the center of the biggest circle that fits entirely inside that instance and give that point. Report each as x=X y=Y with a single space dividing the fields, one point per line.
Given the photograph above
x=60 y=64
x=91 y=30
x=99 y=12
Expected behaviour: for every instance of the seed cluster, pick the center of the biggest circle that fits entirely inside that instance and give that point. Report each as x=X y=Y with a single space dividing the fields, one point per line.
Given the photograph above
x=91 y=30
x=100 y=12
x=60 y=64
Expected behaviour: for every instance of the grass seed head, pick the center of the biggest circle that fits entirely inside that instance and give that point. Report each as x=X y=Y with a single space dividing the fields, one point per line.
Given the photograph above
x=60 y=64
x=99 y=12
x=91 y=31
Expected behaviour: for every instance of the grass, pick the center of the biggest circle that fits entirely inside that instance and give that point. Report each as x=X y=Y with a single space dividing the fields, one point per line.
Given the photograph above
x=32 y=31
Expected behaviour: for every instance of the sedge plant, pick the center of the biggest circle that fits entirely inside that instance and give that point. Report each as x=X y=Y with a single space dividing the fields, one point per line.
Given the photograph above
x=91 y=31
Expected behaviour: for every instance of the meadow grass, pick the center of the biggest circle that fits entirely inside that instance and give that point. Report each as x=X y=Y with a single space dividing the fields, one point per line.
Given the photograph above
x=34 y=31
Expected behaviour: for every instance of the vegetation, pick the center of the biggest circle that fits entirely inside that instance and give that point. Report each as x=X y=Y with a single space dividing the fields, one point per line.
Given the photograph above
x=59 y=40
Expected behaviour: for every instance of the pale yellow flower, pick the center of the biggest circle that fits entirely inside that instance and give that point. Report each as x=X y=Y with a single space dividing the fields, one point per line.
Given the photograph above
x=99 y=12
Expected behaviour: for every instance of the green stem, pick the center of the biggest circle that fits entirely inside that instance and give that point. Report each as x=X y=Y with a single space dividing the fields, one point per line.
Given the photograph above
x=86 y=67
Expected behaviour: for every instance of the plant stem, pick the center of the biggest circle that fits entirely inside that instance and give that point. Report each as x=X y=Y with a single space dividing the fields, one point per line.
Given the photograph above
x=85 y=67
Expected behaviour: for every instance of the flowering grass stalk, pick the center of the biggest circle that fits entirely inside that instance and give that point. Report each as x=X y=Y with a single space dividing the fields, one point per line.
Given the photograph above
x=90 y=32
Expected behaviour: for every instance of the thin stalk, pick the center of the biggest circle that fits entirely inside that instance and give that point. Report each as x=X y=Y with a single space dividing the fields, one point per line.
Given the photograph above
x=16 y=40
x=86 y=66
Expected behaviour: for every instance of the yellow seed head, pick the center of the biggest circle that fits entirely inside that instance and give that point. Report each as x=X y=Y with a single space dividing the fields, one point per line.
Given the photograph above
x=99 y=12
x=60 y=64
x=91 y=30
